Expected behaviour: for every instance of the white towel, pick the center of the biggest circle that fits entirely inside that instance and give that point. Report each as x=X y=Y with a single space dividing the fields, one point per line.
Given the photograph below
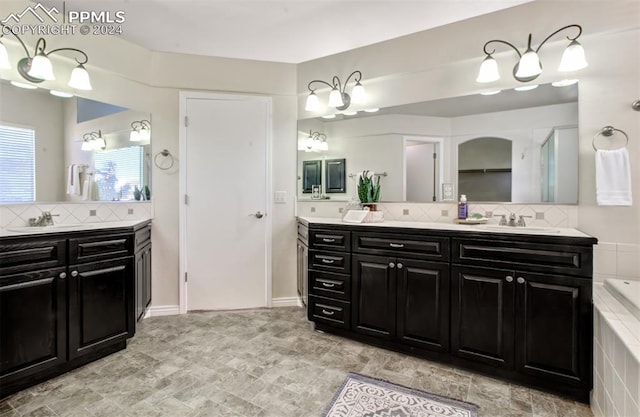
x=613 y=178
x=87 y=188
x=73 y=180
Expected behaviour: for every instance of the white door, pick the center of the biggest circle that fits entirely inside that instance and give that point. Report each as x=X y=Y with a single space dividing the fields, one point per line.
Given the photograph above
x=226 y=227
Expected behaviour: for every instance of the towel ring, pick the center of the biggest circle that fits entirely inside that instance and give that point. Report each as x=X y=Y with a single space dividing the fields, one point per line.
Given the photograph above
x=609 y=131
x=164 y=153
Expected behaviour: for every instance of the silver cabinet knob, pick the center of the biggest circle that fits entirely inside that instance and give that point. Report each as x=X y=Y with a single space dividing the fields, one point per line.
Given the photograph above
x=258 y=214
x=400 y=265
x=74 y=273
x=520 y=280
x=62 y=275
x=509 y=278
x=392 y=265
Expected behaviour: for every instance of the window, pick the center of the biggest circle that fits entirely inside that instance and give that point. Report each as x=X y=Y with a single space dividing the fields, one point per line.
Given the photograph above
x=17 y=165
x=118 y=173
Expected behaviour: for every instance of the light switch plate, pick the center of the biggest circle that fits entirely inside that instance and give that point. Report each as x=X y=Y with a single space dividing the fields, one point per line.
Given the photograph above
x=280 y=197
x=447 y=191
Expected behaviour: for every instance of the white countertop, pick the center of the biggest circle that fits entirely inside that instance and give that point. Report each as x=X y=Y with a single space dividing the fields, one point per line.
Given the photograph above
x=62 y=227
x=479 y=228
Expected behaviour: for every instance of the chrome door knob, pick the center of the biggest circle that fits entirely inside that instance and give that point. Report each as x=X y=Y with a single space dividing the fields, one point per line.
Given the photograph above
x=520 y=280
x=258 y=214
x=509 y=278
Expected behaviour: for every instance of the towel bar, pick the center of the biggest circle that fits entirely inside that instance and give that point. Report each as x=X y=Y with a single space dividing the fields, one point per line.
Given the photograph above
x=608 y=131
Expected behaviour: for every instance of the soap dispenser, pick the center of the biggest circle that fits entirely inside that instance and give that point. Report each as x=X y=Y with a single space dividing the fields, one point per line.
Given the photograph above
x=462 y=207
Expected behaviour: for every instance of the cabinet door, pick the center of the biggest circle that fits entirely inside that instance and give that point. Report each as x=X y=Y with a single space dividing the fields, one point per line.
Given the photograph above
x=553 y=327
x=101 y=308
x=33 y=324
x=423 y=304
x=374 y=295
x=147 y=278
x=482 y=315
x=139 y=271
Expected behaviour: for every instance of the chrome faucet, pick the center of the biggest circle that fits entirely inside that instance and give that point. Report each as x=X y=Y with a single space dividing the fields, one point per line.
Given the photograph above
x=521 y=222
x=46 y=219
x=512 y=220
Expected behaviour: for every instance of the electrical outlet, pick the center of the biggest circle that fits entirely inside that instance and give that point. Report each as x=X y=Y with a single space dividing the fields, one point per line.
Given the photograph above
x=280 y=197
x=92 y=213
x=129 y=211
x=444 y=213
x=313 y=209
x=539 y=215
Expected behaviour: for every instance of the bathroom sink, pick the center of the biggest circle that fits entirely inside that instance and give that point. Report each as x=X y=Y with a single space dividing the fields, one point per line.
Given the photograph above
x=52 y=228
x=526 y=229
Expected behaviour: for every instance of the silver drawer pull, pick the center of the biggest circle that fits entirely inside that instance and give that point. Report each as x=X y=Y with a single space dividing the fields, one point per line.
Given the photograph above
x=509 y=278
x=396 y=245
x=328 y=285
x=328 y=313
x=400 y=265
x=392 y=265
x=324 y=239
x=327 y=261
x=74 y=273
x=520 y=280
x=62 y=275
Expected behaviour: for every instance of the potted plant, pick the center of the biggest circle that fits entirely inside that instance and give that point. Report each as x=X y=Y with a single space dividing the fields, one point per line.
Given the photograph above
x=369 y=189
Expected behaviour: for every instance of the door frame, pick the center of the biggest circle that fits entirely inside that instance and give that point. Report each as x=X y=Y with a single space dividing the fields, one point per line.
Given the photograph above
x=438 y=143
x=184 y=96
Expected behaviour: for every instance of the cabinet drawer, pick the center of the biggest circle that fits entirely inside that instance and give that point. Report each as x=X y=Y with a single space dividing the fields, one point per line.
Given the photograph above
x=142 y=237
x=535 y=257
x=330 y=239
x=100 y=247
x=421 y=247
x=31 y=254
x=330 y=285
x=330 y=261
x=333 y=312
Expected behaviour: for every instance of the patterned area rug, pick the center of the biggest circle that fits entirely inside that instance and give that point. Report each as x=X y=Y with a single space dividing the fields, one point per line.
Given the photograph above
x=361 y=396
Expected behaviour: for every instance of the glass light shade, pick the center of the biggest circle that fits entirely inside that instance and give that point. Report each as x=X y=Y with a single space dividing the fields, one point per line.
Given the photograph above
x=99 y=143
x=335 y=98
x=313 y=102
x=135 y=136
x=358 y=95
x=62 y=94
x=488 y=71
x=87 y=145
x=529 y=65
x=324 y=146
x=80 y=79
x=145 y=134
x=41 y=68
x=308 y=144
x=4 y=58
x=573 y=58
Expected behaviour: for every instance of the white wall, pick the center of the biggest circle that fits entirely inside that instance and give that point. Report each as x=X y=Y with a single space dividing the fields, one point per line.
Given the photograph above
x=42 y=112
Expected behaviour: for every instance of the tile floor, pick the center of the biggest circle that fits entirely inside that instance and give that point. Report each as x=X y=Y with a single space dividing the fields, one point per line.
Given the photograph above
x=254 y=363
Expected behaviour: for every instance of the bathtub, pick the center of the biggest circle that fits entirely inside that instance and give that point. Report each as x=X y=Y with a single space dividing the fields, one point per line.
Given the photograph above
x=616 y=348
x=627 y=293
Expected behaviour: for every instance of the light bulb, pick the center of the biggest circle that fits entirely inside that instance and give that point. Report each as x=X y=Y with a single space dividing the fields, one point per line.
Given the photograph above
x=529 y=65
x=573 y=58
x=80 y=79
x=488 y=71
x=358 y=95
x=335 y=98
x=313 y=103
x=41 y=68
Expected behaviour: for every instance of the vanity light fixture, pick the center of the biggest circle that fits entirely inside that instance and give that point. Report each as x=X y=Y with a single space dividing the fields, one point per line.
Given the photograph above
x=93 y=141
x=338 y=97
x=529 y=67
x=316 y=142
x=38 y=68
x=140 y=131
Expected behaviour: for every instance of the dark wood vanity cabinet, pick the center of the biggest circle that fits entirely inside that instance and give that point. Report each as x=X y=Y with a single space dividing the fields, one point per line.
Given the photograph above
x=511 y=305
x=65 y=299
x=142 y=272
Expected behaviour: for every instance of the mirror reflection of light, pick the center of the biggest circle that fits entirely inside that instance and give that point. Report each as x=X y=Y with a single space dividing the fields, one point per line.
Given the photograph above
x=526 y=87
x=329 y=116
x=564 y=83
x=490 y=93
x=350 y=113
x=62 y=94
x=373 y=110
x=23 y=85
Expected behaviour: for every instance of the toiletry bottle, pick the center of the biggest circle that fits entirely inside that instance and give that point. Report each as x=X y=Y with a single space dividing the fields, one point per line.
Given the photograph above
x=462 y=207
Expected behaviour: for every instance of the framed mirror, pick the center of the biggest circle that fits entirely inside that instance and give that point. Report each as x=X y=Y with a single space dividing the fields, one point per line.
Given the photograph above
x=419 y=147
x=336 y=176
x=311 y=175
x=79 y=149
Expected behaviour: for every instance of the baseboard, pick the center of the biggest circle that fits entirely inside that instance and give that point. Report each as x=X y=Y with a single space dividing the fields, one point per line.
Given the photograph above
x=155 y=311
x=286 y=302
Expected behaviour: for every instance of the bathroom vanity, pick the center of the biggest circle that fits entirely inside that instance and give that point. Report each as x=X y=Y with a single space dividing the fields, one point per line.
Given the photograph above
x=514 y=303
x=68 y=296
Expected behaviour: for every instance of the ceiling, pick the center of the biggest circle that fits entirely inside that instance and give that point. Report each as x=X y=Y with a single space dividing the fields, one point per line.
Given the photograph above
x=282 y=31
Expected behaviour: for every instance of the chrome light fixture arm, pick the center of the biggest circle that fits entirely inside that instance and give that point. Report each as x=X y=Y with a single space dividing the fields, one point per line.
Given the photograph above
x=337 y=85
x=558 y=31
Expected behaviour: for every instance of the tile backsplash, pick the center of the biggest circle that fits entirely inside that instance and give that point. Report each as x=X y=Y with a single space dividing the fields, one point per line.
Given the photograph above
x=539 y=215
x=17 y=215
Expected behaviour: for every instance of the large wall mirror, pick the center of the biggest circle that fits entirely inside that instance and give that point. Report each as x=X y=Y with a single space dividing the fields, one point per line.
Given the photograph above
x=71 y=149
x=514 y=146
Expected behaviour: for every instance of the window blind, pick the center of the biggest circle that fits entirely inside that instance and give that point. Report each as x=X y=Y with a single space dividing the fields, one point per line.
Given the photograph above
x=17 y=165
x=118 y=172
